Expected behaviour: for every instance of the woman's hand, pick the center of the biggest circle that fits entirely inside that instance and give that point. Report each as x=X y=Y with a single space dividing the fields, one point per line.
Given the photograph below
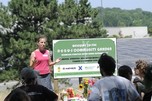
x=32 y=60
x=58 y=60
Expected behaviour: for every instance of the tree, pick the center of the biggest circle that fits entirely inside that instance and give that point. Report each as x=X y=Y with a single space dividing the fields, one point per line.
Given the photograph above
x=31 y=16
x=6 y=31
x=27 y=18
x=78 y=20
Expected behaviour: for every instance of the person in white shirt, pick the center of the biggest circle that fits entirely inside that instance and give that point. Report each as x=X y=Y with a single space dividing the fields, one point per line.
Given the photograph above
x=110 y=87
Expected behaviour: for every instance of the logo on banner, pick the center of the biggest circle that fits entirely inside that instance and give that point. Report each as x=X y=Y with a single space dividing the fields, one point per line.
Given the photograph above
x=59 y=69
x=89 y=67
x=69 y=68
x=80 y=67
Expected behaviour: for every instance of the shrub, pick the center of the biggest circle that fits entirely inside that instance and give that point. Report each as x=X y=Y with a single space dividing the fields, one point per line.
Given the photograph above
x=7 y=75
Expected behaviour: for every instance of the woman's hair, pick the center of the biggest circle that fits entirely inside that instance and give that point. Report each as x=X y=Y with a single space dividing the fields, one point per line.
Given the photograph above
x=18 y=95
x=39 y=36
x=141 y=65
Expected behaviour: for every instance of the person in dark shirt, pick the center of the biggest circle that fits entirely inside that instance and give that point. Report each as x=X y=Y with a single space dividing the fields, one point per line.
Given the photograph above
x=17 y=95
x=139 y=70
x=148 y=83
x=34 y=91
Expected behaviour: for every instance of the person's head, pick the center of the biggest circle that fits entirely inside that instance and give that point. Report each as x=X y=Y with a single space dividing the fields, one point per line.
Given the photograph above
x=140 y=67
x=107 y=65
x=125 y=71
x=148 y=77
x=136 y=71
x=41 y=41
x=28 y=76
x=18 y=95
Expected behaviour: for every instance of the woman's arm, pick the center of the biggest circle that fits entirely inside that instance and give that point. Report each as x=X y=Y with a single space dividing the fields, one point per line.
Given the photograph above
x=51 y=63
x=32 y=60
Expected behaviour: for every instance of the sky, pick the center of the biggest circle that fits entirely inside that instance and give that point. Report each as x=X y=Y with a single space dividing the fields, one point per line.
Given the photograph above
x=145 y=5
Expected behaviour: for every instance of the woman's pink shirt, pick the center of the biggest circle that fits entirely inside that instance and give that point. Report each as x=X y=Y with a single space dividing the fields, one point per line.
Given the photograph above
x=42 y=62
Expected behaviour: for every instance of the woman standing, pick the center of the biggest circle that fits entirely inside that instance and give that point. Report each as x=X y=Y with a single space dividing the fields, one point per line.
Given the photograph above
x=40 y=61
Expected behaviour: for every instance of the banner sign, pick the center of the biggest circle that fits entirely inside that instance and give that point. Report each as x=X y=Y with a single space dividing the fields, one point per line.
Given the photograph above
x=80 y=56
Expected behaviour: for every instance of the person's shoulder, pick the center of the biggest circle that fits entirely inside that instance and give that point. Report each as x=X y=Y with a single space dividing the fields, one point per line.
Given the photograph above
x=100 y=81
x=41 y=87
x=37 y=50
x=114 y=77
x=136 y=80
x=47 y=51
x=106 y=78
x=33 y=52
x=24 y=87
x=122 y=78
x=34 y=87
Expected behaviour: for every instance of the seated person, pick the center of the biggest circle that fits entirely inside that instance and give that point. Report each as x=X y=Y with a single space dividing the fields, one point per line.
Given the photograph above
x=36 y=92
x=18 y=95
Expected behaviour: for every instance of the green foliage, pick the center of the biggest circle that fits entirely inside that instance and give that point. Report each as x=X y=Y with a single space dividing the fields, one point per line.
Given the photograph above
x=31 y=19
x=27 y=18
x=116 y=17
x=77 y=20
x=31 y=14
x=22 y=20
x=150 y=31
x=5 y=35
x=12 y=74
x=5 y=18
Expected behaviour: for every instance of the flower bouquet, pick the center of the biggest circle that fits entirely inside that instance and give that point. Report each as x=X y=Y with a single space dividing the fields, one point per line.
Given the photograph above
x=86 y=85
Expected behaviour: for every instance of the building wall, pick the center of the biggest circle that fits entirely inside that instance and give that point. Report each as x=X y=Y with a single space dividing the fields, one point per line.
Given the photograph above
x=134 y=32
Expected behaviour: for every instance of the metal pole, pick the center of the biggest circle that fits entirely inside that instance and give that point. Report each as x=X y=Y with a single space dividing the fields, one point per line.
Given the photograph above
x=102 y=13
